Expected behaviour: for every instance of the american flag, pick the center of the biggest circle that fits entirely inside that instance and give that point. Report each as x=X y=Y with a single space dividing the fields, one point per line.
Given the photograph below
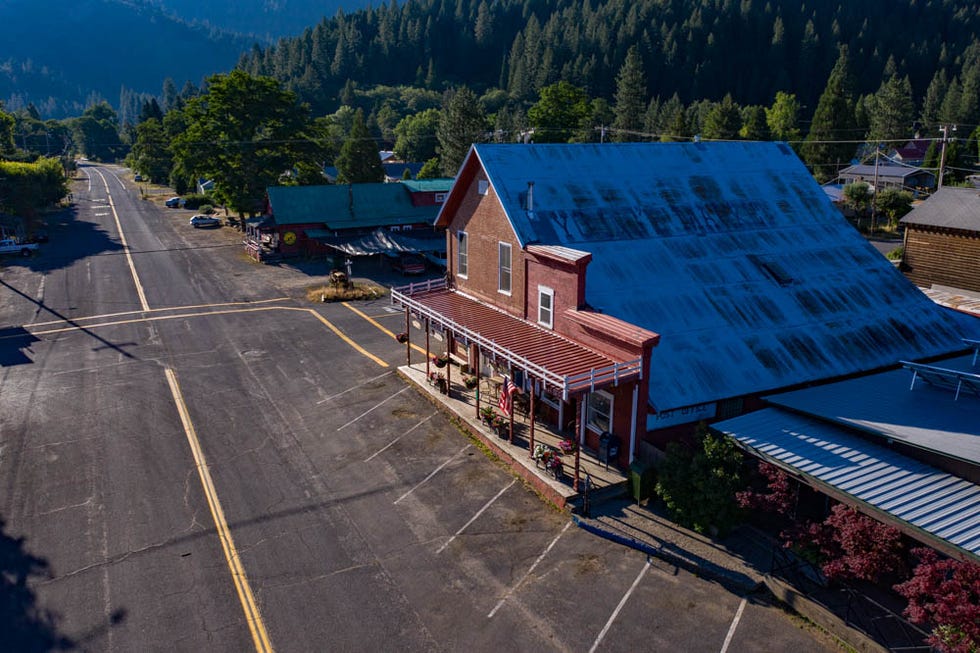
x=507 y=390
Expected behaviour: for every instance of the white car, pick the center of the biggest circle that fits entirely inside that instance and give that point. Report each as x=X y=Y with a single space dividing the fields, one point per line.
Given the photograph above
x=205 y=221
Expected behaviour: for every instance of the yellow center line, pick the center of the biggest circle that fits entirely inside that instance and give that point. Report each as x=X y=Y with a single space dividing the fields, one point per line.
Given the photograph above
x=157 y=318
x=377 y=324
x=129 y=255
x=260 y=637
x=153 y=310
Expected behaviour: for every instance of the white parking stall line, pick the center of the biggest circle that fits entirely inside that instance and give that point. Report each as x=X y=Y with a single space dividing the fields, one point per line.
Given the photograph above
x=528 y=572
x=352 y=388
x=731 y=629
x=375 y=407
x=434 y=472
x=382 y=449
x=474 y=517
x=622 y=602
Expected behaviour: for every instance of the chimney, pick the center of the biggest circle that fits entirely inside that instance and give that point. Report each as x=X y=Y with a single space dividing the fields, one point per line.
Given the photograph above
x=530 y=197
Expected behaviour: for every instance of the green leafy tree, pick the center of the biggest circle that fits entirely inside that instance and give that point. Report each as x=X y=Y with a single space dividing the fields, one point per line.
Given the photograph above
x=97 y=133
x=26 y=188
x=430 y=170
x=631 y=98
x=830 y=141
x=462 y=123
x=7 y=123
x=894 y=204
x=416 y=136
x=723 y=121
x=560 y=112
x=358 y=161
x=150 y=153
x=698 y=484
x=783 y=118
x=858 y=196
x=243 y=133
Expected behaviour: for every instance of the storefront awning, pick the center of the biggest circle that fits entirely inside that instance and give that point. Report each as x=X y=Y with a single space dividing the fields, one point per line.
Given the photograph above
x=937 y=508
x=566 y=367
x=381 y=241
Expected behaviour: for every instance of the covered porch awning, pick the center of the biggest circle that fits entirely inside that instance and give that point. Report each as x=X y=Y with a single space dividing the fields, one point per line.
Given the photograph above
x=937 y=508
x=566 y=368
x=381 y=241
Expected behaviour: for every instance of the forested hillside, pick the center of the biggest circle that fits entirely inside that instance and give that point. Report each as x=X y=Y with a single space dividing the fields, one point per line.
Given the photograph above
x=263 y=19
x=699 y=49
x=61 y=55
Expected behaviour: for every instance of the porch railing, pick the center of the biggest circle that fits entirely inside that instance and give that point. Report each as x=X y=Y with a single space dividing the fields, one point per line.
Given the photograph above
x=566 y=385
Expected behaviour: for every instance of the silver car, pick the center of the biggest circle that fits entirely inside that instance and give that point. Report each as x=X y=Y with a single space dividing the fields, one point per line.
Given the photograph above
x=199 y=221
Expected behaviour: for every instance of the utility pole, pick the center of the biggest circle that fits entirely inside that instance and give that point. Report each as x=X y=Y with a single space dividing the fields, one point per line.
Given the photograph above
x=942 y=155
x=874 y=196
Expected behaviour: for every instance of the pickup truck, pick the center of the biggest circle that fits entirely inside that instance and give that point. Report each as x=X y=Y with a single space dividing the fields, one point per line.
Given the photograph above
x=11 y=246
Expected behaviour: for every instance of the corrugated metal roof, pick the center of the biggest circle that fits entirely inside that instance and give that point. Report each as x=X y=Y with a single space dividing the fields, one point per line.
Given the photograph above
x=954 y=298
x=515 y=338
x=950 y=207
x=932 y=501
x=886 y=405
x=343 y=206
x=882 y=171
x=730 y=251
x=440 y=185
x=558 y=252
x=381 y=241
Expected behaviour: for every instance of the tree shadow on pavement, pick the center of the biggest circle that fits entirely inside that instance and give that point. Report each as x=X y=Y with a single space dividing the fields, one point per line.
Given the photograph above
x=25 y=626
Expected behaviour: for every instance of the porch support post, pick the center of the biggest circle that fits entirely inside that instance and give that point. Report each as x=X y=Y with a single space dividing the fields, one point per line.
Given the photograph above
x=449 y=360
x=580 y=430
x=475 y=356
x=633 y=418
x=428 y=356
x=530 y=447
x=408 y=341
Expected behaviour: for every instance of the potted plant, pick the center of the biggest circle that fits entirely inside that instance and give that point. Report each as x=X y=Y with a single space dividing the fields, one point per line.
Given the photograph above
x=500 y=426
x=470 y=382
x=567 y=445
x=487 y=415
x=440 y=360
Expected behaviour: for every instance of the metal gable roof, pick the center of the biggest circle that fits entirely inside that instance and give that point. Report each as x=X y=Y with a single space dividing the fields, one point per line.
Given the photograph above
x=931 y=501
x=347 y=206
x=730 y=251
x=953 y=208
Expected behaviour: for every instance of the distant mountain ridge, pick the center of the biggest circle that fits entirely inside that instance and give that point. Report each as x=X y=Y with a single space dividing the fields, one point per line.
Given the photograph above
x=95 y=48
x=265 y=20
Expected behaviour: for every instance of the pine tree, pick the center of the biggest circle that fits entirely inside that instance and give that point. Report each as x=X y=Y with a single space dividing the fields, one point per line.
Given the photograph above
x=826 y=147
x=462 y=124
x=933 y=101
x=631 y=98
x=723 y=121
x=358 y=161
x=891 y=110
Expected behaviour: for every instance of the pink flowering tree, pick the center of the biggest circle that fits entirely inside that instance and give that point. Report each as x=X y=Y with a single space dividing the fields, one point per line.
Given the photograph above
x=945 y=594
x=850 y=545
x=778 y=496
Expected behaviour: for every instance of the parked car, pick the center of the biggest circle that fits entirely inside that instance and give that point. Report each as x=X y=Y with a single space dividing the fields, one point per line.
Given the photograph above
x=175 y=203
x=410 y=264
x=205 y=221
x=138 y=177
x=11 y=246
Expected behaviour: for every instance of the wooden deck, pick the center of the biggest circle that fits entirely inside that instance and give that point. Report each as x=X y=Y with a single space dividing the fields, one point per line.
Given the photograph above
x=461 y=403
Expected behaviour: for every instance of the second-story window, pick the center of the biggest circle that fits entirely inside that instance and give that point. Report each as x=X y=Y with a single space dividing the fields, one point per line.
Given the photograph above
x=546 y=306
x=482 y=186
x=462 y=253
x=503 y=268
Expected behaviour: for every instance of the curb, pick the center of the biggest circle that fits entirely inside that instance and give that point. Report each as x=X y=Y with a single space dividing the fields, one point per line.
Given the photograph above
x=731 y=580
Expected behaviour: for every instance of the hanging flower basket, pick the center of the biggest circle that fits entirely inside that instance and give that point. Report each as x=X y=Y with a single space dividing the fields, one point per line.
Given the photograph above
x=440 y=361
x=470 y=382
x=402 y=338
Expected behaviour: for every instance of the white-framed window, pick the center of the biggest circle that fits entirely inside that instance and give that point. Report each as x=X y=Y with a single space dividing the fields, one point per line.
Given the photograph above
x=546 y=306
x=440 y=198
x=462 y=253
x=599 y=410
x=483 y=186
x=503 y=268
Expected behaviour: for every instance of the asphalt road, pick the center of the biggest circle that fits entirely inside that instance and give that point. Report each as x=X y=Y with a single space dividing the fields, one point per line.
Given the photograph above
x=193 y=458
